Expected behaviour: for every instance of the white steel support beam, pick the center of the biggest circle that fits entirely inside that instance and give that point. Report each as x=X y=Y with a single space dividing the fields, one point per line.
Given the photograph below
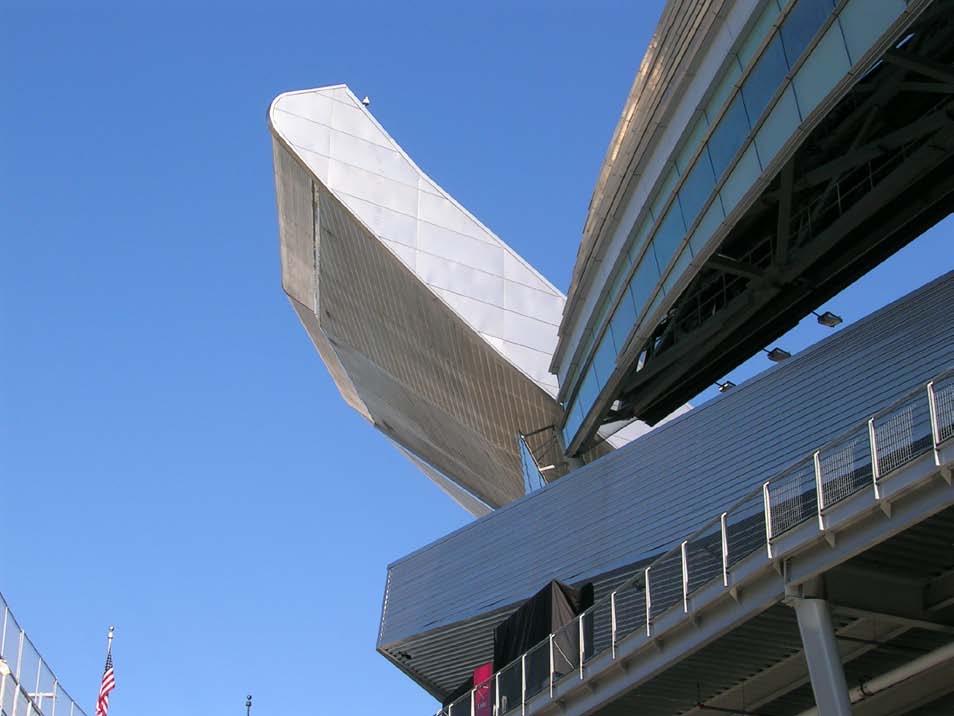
x=821 y=653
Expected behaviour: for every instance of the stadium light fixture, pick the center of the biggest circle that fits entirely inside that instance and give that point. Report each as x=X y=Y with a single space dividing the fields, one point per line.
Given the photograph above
x=777 y=355
x=827 y=318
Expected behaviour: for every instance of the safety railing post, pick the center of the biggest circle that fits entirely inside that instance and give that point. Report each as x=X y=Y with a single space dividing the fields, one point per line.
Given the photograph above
x=819 y=491
x=767 y=513
x=523 y=684
x=473 y=691
x=935 y=424
x=582 y=645
x=3 y=634
x=19 y=656
x=725 y=549
x=649 y=603
x=497 y=694
x=552 y=667
x=613 y=622
x=685 y=577
x=875 y=469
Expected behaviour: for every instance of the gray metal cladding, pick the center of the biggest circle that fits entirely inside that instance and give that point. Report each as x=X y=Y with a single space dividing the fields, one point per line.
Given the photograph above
x=644 y=497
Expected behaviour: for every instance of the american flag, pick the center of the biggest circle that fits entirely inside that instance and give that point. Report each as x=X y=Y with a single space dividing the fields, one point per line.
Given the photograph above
x=109 y=683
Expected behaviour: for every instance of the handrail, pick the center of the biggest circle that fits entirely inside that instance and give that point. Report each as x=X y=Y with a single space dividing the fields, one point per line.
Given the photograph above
x=28 y=686
x=641 y=581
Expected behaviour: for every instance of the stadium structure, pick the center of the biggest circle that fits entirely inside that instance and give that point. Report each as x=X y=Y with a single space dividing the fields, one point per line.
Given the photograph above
x=28 y=686
x=784 y=548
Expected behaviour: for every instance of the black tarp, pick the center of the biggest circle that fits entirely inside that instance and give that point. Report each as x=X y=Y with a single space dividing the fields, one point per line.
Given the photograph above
x=547 y=612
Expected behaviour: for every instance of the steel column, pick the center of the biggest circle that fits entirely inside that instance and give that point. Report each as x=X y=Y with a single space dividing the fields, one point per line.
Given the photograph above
x=824 y=660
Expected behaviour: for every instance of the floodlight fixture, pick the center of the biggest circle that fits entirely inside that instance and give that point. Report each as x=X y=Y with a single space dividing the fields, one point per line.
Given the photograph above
x=725 y=385
x=827 y=318
x=777 y=355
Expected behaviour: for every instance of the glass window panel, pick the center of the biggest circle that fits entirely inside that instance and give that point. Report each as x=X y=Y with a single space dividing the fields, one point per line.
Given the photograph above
x=637 y=243
x=822 y=70
x=604 y=361
x=801 y=24
x=693 y=140
x=728 y=136
x=863 y=22
x=623 y=320
x=656 y=301
x=665 y=191
x=573 y=421
x=724 y=88
x=760 y=30
x=707 y=226
x=741 y=178
x=589 y=389
x=682 y=263
x=697 y=187
x=760 y=86
x=778 y=126
x=644 y=280
x=671 y=232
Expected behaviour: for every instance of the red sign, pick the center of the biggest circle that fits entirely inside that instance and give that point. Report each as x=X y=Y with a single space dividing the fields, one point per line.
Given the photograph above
x=483 y=691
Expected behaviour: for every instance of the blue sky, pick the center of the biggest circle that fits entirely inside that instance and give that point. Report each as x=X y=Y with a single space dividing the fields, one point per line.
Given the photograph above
x=175 y=459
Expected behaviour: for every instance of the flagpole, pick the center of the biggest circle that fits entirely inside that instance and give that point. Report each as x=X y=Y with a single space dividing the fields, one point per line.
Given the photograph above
x=109 y=641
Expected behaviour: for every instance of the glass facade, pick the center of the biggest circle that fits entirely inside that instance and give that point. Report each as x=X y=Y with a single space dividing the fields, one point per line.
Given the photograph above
x=721 y=159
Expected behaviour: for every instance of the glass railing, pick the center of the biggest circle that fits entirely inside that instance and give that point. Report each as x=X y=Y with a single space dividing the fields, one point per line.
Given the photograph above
x=857 y=460
x=28 y=686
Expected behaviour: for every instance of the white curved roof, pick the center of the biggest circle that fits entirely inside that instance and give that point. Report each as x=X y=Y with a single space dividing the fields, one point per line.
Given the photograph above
x=508 y=303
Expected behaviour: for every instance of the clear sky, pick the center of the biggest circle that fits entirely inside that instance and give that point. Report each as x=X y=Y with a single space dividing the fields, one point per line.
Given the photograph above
x=174 y=458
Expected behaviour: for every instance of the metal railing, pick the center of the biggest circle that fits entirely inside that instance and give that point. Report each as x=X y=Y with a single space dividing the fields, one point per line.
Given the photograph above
x=28 y=687
x=859 y=459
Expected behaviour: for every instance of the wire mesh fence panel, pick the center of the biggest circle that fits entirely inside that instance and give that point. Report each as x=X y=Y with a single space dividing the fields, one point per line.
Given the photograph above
x=61 y=702
x=538 y=669
x=665 y=584
x=903 y=433
x=9 y=687
x=22 y=706
x=11 y=643
x=566 y=650
x=793 y=497
x=31 y=709
x=29 y=665
x=44 y=688
x=510 y=686
x=704 y=556
x=630 y=609
x=485 y=695
x=745 y=528
x=460 y=706
x=845 y=468
x=598 y=628
x=944 y=407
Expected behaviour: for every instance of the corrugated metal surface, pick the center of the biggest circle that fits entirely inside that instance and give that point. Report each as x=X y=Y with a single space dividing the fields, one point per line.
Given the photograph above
x=644 y=497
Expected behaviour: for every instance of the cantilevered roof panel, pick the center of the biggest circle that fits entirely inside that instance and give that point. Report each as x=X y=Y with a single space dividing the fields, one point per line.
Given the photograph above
x=484 y=281
x=432 y=328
